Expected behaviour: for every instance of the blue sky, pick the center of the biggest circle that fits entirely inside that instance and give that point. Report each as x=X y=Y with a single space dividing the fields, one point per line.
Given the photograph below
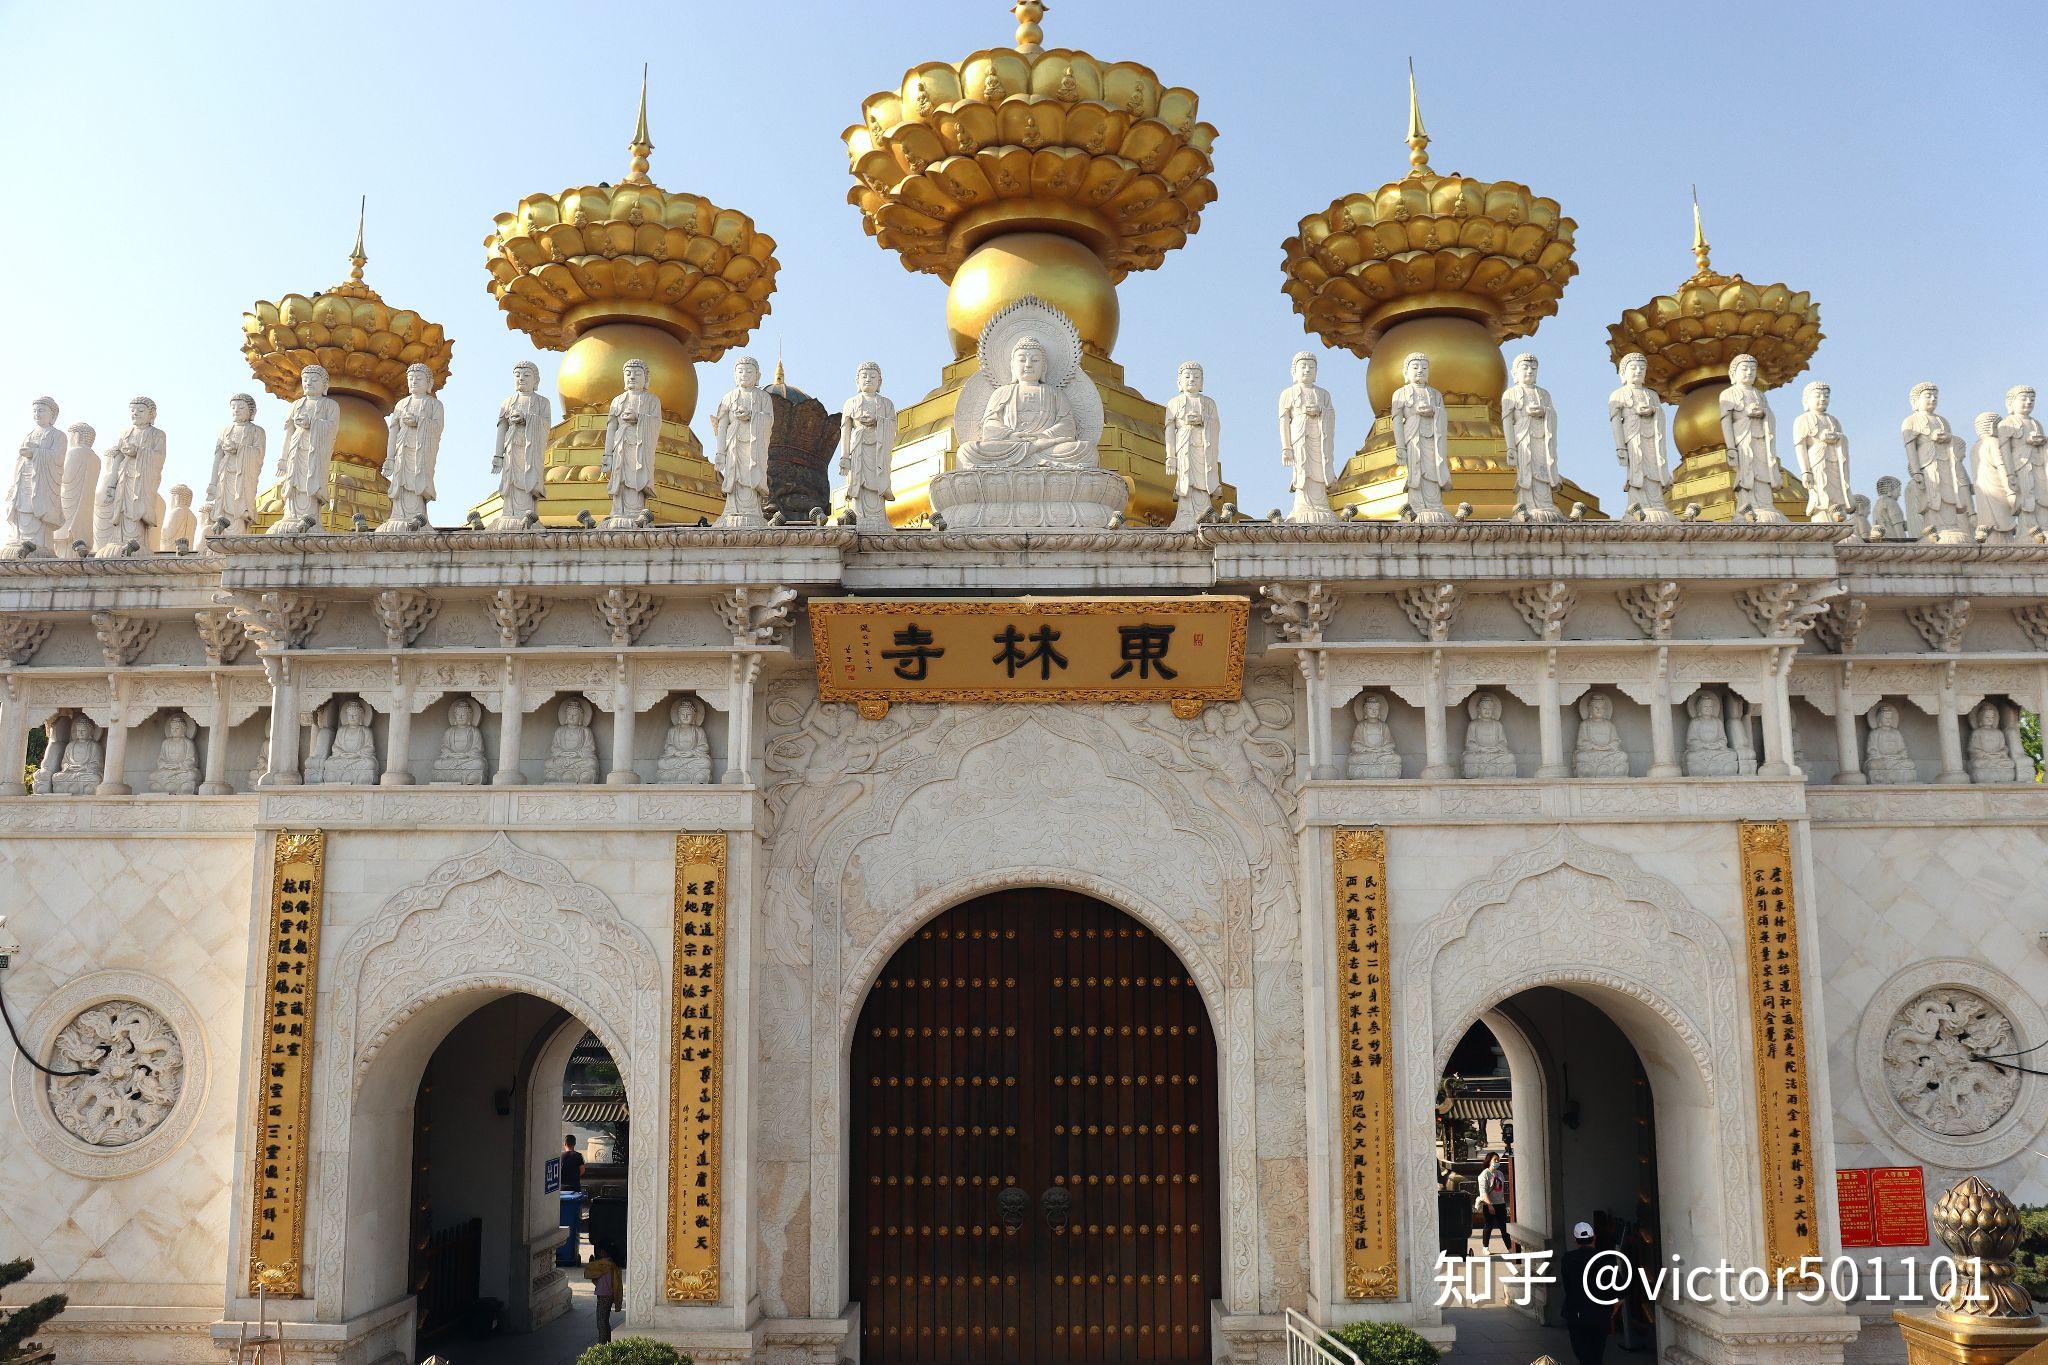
x=169 y=164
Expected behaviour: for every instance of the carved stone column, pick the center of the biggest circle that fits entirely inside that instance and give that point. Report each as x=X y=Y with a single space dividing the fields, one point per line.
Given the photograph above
x=216 y=782
x=740 y=733
x=622 y=774
x=1850 y=772
x=1954 y=772
x=398 y=738
x=1663 y=741
x=1778 y=718
x=282 y=769
x=511 y=713
x=13 y=736
x=117 y=748
x=1435 y=737
x=1550 y=721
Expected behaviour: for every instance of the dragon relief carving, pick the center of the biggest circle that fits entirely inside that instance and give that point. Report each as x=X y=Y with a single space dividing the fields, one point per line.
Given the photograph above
x=275 y=620
x=1785 y=609
x=135 y=1069
x=1936 y=1061
x=1840 y=625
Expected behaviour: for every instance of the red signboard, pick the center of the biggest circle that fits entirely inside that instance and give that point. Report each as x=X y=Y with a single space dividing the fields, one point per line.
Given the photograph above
x=1882 y=1206
x=1852 y=1199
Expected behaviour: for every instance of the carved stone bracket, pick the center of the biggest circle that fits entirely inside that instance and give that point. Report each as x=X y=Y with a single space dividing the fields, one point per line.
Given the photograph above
x=122 y=638
x=1432 y=610
x=275 y=620
x=757 y=616
x=1299 y=611
x=1653 y=607
x=221 y=636
x=1841 y=623
x=2034 y=621
x=517 y=614
x=626 y=612
x=404 y=613
x=1545 y=609
x=1778 y=610
x=22 y=636
x=1941 y=624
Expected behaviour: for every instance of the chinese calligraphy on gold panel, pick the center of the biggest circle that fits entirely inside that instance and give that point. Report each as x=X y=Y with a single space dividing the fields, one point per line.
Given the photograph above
x=1365 y=1064
x=285 y=1063
x=696 y=1069
x=1777 y=1025
x=877 y=651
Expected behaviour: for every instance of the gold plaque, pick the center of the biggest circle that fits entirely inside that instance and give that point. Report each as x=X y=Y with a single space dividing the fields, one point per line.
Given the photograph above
x=1777 y=1025
x=696 y=1069
x=1186 y=650
x=1365 y=1065
x=284 y=1092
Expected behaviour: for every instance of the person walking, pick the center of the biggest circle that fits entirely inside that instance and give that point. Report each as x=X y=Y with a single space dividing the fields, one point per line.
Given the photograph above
x=572 y=1165
x=605 y=1277
x=1493 y=1204
x=1586 y=1319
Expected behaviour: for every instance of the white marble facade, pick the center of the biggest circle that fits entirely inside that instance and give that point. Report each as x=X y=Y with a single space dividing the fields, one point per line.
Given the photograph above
x=1514 y=705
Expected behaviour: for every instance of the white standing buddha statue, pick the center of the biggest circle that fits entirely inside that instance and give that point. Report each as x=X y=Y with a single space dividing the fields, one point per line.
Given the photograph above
x=1528 y=419
x=519 y=457
x=1194 y=437
x=1421 y=440
x=1635 y=415
x=1308 y=442
x=412 y=449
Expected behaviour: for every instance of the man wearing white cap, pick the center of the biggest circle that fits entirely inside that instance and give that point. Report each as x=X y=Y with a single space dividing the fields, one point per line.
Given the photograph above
x=1585 y=1318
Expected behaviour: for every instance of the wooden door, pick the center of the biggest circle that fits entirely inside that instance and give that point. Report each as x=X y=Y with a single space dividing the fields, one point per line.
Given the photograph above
x=1034 y=1143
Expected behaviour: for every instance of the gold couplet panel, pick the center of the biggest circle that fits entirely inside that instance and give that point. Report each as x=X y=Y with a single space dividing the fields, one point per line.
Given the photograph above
x=1365 y=1062
x=1777 y=1023
x=284 y=1092
x=1186 y=650
x=696 y=1069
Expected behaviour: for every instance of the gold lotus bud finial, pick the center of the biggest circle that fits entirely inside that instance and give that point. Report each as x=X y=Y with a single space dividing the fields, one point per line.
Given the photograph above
x=1030 y=37
x=1980 y=1226
x=640 y=146
x=1418 y=140
x=357 y=257
x=1699 y=239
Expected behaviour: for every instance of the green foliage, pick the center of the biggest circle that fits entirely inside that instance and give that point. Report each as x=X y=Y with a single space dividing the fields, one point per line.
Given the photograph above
x=17 y=1325
x=633 y=1351
x=2032 y=1256
x=1387 y=1343
x=2030 y=740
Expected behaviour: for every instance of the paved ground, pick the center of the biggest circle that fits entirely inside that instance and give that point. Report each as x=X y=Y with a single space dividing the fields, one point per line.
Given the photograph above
x=558 y=1343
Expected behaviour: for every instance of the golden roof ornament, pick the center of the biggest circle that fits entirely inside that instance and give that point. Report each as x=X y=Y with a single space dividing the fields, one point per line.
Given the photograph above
x=364 y=343
x=1689 y=335
x=641 y=147
x=1446 y=265
x=1030 y=37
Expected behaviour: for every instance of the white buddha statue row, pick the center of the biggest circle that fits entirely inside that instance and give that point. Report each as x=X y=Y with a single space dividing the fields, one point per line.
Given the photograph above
x=64 y=498
x=1721 y=731
x=344 y=747
x=75 y=756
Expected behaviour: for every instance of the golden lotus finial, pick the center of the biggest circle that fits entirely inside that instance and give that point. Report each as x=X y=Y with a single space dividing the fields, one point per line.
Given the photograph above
x=357 y=257
x=1030 y=37
x=641 y=146
x=1418 y=140
x=1699 y=239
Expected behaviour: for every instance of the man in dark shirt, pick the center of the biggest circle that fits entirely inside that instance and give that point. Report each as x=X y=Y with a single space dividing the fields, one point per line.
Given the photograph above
x=1585 y=1318
x=572 y=1166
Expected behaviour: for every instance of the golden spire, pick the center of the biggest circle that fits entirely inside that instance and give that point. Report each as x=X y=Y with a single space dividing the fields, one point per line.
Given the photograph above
x=357 y=258
x=1030 y=37
x=641 y=146
x=1699 y=239
x=1418 y=140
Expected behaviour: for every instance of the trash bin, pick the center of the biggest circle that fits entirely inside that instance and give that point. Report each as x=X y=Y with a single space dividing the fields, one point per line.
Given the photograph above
x=570 y=1251
x=608 y=1223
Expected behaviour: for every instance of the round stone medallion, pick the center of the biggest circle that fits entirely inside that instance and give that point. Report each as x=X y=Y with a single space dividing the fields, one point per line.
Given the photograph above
x=136 y=1072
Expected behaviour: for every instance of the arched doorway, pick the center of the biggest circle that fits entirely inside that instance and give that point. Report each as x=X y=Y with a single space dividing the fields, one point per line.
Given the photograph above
x=1034 y=1155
